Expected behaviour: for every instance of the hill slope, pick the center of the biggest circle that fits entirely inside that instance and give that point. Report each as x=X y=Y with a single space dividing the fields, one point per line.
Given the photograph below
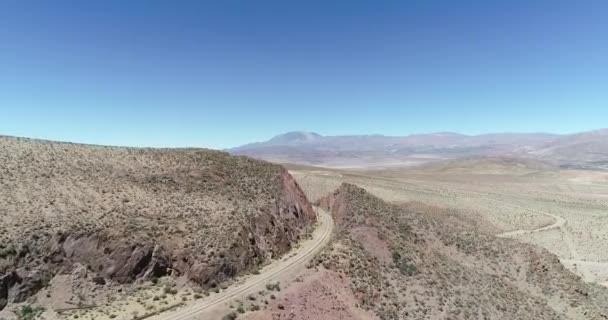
x=420 y=262
x=127 y=214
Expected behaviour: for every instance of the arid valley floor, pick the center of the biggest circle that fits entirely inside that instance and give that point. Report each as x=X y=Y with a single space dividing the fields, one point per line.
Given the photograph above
x=564 y=211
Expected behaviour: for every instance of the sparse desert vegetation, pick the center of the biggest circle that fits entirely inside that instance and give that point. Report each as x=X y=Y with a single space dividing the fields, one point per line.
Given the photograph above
x=97 y=232
x=414 y=261
x=511 y=198
x=82 y=223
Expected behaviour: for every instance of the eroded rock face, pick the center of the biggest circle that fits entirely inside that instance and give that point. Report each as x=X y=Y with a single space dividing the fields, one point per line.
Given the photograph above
x=17 y=286
x=123 y=214
x=7 y=281
x=114 y=259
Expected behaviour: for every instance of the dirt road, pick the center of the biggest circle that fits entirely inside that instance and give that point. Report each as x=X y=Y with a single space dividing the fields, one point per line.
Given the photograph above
x=584 y=268
x=558 y=223
x=283 y=269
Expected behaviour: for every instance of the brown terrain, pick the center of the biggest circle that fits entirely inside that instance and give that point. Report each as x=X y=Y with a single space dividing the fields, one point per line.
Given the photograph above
x=81 y=224
x=92 y=232
x=414 y=261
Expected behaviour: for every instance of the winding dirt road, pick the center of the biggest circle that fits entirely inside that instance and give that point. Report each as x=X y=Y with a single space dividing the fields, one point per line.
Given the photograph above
x=583 y=266
x=282 y=269
x=558 y=224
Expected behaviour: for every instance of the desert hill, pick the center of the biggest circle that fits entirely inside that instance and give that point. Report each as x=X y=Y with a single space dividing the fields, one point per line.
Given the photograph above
x=127 y=214
x=419 y=262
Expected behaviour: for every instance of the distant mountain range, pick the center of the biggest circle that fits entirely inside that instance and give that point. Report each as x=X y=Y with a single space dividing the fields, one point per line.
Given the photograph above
x=586 y=149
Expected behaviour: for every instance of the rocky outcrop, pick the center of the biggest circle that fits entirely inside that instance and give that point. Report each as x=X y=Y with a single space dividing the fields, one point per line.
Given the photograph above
x=17 y=286
x=7 y=281
x=114 y=259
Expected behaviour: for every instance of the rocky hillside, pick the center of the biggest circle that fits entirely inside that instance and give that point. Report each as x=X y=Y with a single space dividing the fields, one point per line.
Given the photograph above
x=128 y=214
x=420 y=262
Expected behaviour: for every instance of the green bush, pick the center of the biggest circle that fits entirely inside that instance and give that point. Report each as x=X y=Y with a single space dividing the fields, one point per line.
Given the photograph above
x=273 y=286
x=28 y=312
x=396 y=257
x=6 y=252
x=169 y=290
x=405 y=265
x=408 y=269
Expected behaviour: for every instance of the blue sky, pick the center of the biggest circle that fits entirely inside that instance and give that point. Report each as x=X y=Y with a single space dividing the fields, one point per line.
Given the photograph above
x=223 y=73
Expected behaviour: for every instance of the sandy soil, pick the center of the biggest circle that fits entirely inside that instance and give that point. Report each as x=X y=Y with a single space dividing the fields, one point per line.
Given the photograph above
x=318 y=295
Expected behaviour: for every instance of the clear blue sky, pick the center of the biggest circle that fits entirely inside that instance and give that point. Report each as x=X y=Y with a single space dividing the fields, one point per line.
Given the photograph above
x=222 y=73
